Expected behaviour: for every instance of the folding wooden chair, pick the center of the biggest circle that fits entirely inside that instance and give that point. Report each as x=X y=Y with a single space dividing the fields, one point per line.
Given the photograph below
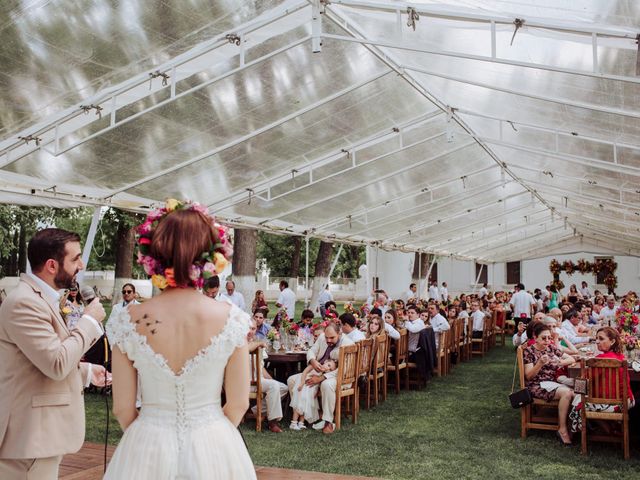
x=378 y=375
x=531 y=416
x=606 y=385
x=400 y=358
x=347 y=383
x=364 y=367
x=256 y=392
x=441 y=355
x=479 y=345
x=500 y=327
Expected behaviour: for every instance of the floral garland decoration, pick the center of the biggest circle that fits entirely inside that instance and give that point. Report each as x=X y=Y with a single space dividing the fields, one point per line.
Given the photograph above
x=584 y=266
x=210 y=263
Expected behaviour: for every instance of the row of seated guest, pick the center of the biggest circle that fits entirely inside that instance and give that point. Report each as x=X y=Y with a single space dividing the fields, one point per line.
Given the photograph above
x=545 y=362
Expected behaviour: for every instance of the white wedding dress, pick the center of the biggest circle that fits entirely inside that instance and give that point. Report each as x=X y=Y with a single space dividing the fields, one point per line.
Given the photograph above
x=181 y=432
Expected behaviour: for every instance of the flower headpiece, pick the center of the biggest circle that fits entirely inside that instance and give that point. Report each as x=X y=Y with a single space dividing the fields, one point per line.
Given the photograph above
x=210 y=262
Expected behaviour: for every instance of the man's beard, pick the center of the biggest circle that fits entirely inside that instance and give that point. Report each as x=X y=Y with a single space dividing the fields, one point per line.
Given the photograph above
x=64 y=280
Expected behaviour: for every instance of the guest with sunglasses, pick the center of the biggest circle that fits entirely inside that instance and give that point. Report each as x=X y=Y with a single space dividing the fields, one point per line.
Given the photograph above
x=128 y=298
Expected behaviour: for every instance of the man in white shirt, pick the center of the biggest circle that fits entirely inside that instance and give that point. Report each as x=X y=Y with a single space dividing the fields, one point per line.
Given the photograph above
x=411 y=296
x=522 y=304
x=434 y=294
x=128 y=297
x=608 y=313
x=232 y=296
x=349 y=328
x=287 y=299
x=585 y=291
x=444 y=293
x=212 y=287
x=571 y=321
x=483 y=291
x=437 y=321
x=324 y=297
x=477 y=317
x=414 y=326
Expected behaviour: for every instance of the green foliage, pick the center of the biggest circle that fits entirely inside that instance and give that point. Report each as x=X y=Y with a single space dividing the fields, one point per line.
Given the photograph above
x=278 y=250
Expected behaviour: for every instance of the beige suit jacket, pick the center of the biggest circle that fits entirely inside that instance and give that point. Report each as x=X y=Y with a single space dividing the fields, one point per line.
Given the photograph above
x=320 y=346
x=41 y=382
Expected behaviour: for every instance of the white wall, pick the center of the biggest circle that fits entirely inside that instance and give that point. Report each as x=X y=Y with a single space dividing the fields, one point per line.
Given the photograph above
x=395 y=268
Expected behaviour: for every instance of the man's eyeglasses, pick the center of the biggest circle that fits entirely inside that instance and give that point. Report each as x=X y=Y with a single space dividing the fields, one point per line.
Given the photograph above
x=127 y=291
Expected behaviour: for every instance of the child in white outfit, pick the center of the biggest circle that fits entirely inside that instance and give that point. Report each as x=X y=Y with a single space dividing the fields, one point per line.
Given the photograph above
x=305 y=398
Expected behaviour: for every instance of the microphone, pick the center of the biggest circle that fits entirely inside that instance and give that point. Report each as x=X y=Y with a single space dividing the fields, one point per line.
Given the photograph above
x=87 y=294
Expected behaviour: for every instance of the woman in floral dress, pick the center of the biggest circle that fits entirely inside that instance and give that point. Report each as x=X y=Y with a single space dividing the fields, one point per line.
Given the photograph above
x=541 y=360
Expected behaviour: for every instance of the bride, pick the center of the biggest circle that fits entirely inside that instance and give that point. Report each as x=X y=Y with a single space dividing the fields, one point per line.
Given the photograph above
x=179 y=348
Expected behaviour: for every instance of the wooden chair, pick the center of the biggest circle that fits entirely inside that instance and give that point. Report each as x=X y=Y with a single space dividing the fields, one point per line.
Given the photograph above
x=452 y=346
x=401 y=356
x=347 y=382
x=364 y=367
x=256 y=392
x=479 y=346
x=467 y=331
x=441 y=355
x=378 y=374
x=607 y=384
x=531 y=416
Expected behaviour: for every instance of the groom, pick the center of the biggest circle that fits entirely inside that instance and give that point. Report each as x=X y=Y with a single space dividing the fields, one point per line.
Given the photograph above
x=41 y=379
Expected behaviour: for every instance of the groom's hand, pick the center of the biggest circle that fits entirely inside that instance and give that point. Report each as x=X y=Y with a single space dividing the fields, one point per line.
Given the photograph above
x=100 y=377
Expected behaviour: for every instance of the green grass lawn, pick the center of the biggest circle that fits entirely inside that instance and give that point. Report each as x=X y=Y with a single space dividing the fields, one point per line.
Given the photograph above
x=460 y=426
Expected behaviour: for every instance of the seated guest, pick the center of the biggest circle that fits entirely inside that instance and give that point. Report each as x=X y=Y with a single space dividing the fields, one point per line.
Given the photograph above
x=414 y=326
x=349 y=327
x=569 y=326
x=524 y=335
x=326 y=347
x=304 y=398
x=212 y=287
x=305 y=332
x=609 y=344
x=261 y=327
x=477 y=317
x=374 y=327
x=390 y=322
x=452 y=314
x=438 y=322
x=274 y=391
x=541 y=360
x=330 y=309
x=259 y=302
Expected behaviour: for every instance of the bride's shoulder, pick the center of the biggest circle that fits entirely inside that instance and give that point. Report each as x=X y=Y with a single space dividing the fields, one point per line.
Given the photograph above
x=237 y=325
x=119 y=325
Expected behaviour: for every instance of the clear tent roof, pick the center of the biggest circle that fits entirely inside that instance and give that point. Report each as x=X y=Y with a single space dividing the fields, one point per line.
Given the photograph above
x=491 y=130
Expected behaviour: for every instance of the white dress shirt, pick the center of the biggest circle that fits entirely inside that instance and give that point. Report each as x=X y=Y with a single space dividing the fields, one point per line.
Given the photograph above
x=439 y=323
x=521 y=303
x=433 y=293
x=356 y=335
x=478 y=320
x=288 y=301
x=570 y=333
x=236 y=298
x=444 y=293
x=392 y=332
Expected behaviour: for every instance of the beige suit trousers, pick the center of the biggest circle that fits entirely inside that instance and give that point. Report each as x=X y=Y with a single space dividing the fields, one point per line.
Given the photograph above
x=327 y=390
x=30 y=468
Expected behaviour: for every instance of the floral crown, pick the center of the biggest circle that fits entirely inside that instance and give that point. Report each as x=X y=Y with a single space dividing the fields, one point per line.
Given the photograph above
x=210 y=262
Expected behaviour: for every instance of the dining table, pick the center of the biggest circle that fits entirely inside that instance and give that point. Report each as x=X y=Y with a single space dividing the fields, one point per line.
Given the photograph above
x=283 y=364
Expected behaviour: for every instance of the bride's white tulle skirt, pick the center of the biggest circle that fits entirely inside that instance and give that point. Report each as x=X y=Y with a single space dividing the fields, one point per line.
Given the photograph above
x=151 y=450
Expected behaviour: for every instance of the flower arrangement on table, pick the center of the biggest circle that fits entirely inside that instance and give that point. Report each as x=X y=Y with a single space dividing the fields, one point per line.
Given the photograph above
x=211 y=262
x=629 y=341
x=628 y=321
x=273 y=335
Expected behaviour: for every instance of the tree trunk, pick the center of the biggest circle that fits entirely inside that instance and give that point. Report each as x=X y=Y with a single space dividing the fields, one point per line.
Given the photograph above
x=125 y=244
x=22 y=250
x=294 y=271
x=243 y=267
x=321 y=273
x=420 y=269
x=12 y=271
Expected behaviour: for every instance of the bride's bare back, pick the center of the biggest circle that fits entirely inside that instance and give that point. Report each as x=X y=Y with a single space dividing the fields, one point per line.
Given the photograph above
x=179 y=323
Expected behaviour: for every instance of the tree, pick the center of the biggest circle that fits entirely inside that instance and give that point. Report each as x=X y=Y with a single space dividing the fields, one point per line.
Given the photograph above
x=125 y=236
x=243 y=266
x=321 y=272
x=294 y=271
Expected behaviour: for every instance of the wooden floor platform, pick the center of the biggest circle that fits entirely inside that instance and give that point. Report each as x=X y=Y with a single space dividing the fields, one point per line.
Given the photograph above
x=87 y=464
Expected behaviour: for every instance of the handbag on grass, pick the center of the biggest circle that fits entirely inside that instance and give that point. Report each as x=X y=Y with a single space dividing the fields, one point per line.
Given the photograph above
x=522 y=397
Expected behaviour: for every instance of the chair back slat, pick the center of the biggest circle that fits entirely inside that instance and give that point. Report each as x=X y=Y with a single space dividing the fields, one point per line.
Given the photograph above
x=442 y=342
x=255 y=359
x=366 y=354
x=348 y=364
x=382 y=351
x=607 y=379
x=520 y=354
x=402 y=347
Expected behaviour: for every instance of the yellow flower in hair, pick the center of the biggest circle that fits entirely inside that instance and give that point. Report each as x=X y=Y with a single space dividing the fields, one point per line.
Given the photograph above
x=159 y=281
x=171 y=204
x=220 y=262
